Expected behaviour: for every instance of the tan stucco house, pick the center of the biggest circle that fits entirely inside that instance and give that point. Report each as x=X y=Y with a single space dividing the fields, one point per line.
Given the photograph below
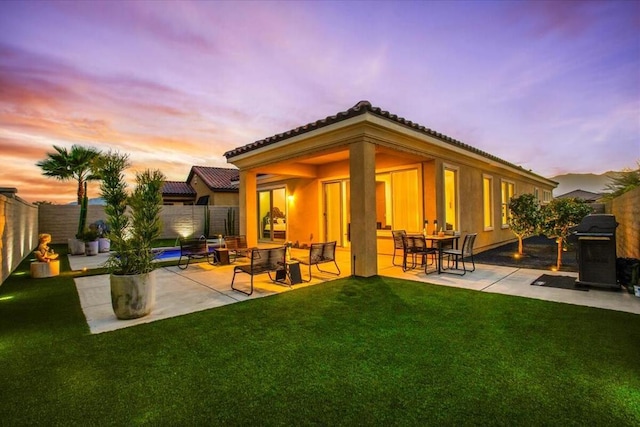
x=356 y=176
x=204 y=186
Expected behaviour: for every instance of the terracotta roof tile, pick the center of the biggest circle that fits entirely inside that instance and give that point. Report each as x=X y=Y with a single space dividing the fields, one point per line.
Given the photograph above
x=177 y=188
x=360 y=108
x=220 y=179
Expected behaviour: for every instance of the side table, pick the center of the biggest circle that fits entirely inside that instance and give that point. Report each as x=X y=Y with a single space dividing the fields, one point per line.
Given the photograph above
x=292 y=271
x=221 y=256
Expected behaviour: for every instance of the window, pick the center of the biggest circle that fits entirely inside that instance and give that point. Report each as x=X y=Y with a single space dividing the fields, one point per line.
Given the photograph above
x=487 y=201
x=508 y=190
x=398 y=205
x=451 y=199
x=536 y=193
x=546 y=196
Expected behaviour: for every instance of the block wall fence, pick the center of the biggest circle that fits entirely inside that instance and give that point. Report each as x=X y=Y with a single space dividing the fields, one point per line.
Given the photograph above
x=18 y=231
x=61 y=221
x=626 y=209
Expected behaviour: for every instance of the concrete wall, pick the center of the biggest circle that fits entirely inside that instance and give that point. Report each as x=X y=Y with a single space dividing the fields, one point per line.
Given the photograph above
x=18 y=231
x=626 y=209
x=61 y=221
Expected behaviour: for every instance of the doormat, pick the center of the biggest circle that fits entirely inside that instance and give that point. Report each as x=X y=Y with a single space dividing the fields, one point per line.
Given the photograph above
x=562 y=282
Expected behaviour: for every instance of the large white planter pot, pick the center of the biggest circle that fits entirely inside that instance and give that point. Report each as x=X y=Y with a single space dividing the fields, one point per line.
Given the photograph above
x=76 y=246
x=133 y=296
x=91 y=248
x=104 y=245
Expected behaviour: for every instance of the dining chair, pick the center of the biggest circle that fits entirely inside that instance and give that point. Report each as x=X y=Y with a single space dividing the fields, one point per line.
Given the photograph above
x=459 y=255
x=398 y=245
x=416 y=246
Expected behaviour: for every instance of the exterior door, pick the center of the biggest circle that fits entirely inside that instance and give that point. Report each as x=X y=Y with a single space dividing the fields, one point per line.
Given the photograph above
x=336 y=215
x=272 y=215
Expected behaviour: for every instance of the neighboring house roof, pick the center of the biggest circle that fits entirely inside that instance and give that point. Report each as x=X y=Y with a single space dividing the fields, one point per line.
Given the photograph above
x=587 y=196
x=360 y=108
x=217 y=179
x=177 y=188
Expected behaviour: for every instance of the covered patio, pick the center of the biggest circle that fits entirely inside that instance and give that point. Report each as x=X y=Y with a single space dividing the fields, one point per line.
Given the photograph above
x=203 y=286
x=356 y=176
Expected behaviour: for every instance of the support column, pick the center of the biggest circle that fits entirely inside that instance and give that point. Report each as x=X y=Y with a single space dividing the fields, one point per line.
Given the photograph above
x=248 y=199
x=362 y=181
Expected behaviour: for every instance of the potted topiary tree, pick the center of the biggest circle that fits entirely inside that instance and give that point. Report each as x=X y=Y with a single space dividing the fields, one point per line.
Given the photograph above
x=131 y=266
x=90 y=238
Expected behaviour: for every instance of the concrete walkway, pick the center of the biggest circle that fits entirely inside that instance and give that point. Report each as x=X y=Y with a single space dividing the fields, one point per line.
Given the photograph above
x=203 y=286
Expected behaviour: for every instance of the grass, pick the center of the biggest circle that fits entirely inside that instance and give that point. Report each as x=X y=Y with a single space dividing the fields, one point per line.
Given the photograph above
x=375 y=351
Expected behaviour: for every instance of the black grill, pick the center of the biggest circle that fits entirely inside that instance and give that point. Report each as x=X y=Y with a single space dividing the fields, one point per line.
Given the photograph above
x=596 y=236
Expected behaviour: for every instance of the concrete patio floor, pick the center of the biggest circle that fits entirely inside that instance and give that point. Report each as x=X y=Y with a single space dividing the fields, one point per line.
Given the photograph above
x=203 y=286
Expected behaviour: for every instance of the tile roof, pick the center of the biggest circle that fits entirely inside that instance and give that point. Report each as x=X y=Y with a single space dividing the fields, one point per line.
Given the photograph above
x=585 y=195
x=360 y=108
x=218 y=179
x=177 y=188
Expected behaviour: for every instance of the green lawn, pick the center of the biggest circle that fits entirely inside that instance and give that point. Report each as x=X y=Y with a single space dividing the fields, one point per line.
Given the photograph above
x=375 y=351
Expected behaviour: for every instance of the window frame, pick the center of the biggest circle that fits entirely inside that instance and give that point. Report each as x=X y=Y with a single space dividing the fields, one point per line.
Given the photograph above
x=489 y=208
x=504 y=204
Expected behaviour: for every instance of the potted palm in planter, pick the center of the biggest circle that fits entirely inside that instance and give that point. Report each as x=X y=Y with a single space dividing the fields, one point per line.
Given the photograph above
x=131 y=266
x=76 y=164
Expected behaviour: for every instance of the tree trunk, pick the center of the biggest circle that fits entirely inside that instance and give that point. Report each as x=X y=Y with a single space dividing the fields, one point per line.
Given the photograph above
x=520 y=245
x=81 y=190
x=559 y=262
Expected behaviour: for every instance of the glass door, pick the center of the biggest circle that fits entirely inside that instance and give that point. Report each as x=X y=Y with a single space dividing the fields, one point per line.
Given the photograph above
x=336 y=212
x=272 y=215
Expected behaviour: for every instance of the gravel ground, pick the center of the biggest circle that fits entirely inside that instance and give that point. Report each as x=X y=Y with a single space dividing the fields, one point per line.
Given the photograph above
x=539 y=252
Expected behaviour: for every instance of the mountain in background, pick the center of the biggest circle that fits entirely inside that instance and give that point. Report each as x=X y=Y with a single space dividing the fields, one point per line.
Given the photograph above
x=582 y=181
x=93 y=201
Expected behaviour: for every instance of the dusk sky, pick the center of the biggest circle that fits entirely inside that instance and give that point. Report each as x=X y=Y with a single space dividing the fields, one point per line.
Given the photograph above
x=550 y=86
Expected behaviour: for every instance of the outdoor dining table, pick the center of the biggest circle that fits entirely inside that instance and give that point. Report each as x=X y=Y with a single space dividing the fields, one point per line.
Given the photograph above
x=440 y=241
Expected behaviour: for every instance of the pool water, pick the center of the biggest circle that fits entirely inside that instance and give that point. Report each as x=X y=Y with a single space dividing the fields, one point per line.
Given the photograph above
x=170 y=253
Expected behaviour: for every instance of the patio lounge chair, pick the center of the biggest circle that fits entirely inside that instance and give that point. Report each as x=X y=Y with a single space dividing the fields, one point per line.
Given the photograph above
x=268 y=261
x=459 y=255
x=237 y=246
x=320 y=253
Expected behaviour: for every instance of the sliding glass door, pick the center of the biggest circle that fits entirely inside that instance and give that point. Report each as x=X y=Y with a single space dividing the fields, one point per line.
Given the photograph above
x=336 y=212
x=272 y=215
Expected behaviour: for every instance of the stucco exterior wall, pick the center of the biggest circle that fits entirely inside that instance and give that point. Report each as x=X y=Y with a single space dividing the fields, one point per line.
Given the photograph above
x=18 y=232
x=219 y=198
x=626 y=209
x=224 y=199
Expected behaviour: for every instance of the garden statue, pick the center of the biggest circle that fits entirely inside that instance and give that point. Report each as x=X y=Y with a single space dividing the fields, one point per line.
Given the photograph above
x=43 y=252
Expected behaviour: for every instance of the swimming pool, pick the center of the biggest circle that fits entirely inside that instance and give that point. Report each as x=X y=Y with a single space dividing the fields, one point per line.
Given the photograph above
x=164 y=254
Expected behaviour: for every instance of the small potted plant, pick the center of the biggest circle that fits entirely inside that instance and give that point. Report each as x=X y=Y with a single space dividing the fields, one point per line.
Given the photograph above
x=90 y=238
x=131 y=261
x=104 y=244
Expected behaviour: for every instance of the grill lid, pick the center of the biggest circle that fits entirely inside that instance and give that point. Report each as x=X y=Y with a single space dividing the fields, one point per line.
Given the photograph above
x=597 y=224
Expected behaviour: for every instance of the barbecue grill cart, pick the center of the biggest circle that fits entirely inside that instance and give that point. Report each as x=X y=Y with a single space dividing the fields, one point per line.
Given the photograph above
x=596 y=236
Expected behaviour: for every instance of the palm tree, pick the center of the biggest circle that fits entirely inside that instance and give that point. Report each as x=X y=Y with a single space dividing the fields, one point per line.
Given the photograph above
x=77 y=164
